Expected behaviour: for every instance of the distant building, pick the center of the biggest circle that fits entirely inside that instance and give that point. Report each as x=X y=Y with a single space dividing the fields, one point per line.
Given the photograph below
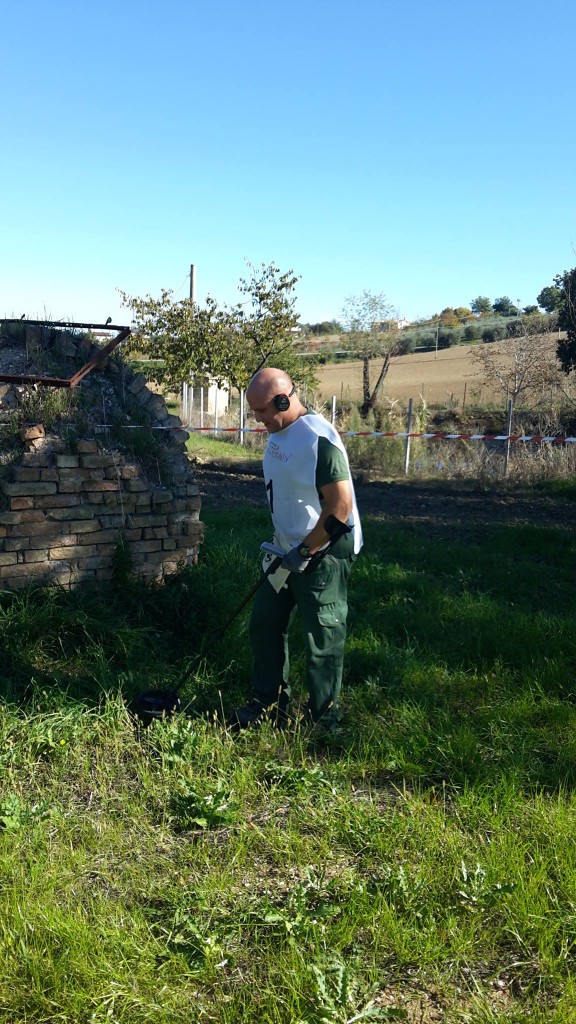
x=391 y=325
x=212 y=399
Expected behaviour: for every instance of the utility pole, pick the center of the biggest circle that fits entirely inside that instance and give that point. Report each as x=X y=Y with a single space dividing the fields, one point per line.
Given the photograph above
x=187 y=399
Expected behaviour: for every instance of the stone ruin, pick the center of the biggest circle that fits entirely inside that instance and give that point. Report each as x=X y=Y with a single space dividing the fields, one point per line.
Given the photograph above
x=91 y=476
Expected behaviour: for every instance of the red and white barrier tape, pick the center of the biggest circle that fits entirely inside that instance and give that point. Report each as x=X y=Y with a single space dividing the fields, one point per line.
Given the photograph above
x=536 y=438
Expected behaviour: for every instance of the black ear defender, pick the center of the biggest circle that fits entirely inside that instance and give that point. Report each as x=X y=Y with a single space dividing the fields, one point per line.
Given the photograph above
x=282 y=402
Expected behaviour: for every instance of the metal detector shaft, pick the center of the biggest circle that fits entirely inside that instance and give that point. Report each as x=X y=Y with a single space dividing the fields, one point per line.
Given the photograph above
x=271 y=568
x=342 y=529
x=157 y=703
x=216 y=634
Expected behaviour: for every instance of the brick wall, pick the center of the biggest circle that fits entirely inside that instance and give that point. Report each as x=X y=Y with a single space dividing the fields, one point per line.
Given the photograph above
x=66 y=514
x=64 y=509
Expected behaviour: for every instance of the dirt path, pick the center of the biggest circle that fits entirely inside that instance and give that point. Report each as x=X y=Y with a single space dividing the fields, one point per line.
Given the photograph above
x=448 y=503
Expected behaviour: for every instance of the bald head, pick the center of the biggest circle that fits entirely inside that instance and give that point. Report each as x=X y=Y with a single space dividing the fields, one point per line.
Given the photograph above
x=267 y=383
x=266 y=386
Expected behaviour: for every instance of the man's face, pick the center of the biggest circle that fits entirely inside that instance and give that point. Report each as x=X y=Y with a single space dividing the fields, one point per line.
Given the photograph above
x=265 y=412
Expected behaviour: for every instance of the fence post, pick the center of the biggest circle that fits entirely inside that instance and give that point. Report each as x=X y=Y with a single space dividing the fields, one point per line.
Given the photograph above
x=241 y=437
x=201 y=408
x=508 y=432
x=408 y=430
x=216 y=396
x=187 y=402
x=333 y=420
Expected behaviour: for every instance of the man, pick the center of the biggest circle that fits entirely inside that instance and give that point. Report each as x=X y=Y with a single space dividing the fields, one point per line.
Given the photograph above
x=312 y=503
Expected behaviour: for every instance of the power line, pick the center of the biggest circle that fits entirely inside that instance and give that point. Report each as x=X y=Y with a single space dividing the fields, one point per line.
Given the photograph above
x=187 y=278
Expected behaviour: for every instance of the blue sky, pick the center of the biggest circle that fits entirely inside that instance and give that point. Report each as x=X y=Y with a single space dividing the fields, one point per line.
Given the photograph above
x=421 y=149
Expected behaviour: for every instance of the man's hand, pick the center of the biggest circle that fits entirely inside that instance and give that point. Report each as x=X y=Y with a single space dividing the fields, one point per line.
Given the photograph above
x=297 y=559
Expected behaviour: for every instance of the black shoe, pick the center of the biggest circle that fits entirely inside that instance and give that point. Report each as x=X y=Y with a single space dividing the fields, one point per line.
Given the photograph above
x=256 y=711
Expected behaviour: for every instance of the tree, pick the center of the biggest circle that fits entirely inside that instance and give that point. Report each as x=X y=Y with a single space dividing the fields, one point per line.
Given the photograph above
x=524 y=366
x=225 y=344
x=187 y=340
x=494 y=333
x=325 y=327
x=472 y=332
x=266 y=321
x=550 y=298
x=448 y=317
x=504 y=307
x=566 y=350
x=482 y=305
x=449 y=336
x=464 y=314
x=371 y=332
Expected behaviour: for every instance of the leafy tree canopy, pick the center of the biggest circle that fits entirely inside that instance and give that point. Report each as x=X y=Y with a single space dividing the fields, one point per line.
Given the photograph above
x=504 y=307
x=463 y=313
x=225 y=344
x=453 y=316
x=550 y=298
x=325 y=327
x=482 y=305
x=448 y=317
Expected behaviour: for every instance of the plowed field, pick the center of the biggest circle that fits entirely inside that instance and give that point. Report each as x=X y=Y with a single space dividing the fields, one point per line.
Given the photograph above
x=449 y=376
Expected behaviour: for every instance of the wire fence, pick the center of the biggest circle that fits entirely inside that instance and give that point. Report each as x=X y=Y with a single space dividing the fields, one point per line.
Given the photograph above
x=410 y=449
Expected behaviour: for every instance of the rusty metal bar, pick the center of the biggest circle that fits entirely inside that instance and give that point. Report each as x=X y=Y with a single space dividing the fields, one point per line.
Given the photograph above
x=61 y=323
x=30 y=378
x=66 y=382
x=96 y=360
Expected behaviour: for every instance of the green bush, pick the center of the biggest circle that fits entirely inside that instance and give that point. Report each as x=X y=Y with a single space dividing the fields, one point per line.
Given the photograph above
x=495 y=333
x=472 y=332
x=449 y=337
x=406 y=344
x=425 y=339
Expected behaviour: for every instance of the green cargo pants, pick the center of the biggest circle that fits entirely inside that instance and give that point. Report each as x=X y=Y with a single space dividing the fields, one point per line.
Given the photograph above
x=321 y=597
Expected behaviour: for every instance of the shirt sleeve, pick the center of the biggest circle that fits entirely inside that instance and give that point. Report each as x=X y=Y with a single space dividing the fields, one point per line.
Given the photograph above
x=331 y=465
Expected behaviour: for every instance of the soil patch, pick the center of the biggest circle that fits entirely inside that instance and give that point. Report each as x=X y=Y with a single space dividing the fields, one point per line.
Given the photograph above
x=449 y=503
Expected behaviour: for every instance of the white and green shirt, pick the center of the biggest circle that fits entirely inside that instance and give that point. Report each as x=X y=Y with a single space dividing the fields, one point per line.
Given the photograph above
x=298 y=462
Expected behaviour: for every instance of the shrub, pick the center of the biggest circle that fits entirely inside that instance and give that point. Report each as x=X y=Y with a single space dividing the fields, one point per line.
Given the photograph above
x=425 y=340
x=472 y=332
x=490 y=334
x=406 y=344
x=447 y=338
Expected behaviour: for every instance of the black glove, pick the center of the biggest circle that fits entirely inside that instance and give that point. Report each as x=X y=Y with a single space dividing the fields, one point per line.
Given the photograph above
x=297 y=559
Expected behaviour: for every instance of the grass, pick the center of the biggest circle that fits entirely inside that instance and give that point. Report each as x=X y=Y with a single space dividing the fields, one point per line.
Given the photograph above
x=225 y=453
x=421 y=866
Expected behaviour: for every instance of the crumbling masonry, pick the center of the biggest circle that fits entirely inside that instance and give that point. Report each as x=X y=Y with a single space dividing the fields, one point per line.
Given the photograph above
x=67 y=505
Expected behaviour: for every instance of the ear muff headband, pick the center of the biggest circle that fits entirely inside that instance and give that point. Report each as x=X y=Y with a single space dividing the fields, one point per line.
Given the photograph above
x=282 y=402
